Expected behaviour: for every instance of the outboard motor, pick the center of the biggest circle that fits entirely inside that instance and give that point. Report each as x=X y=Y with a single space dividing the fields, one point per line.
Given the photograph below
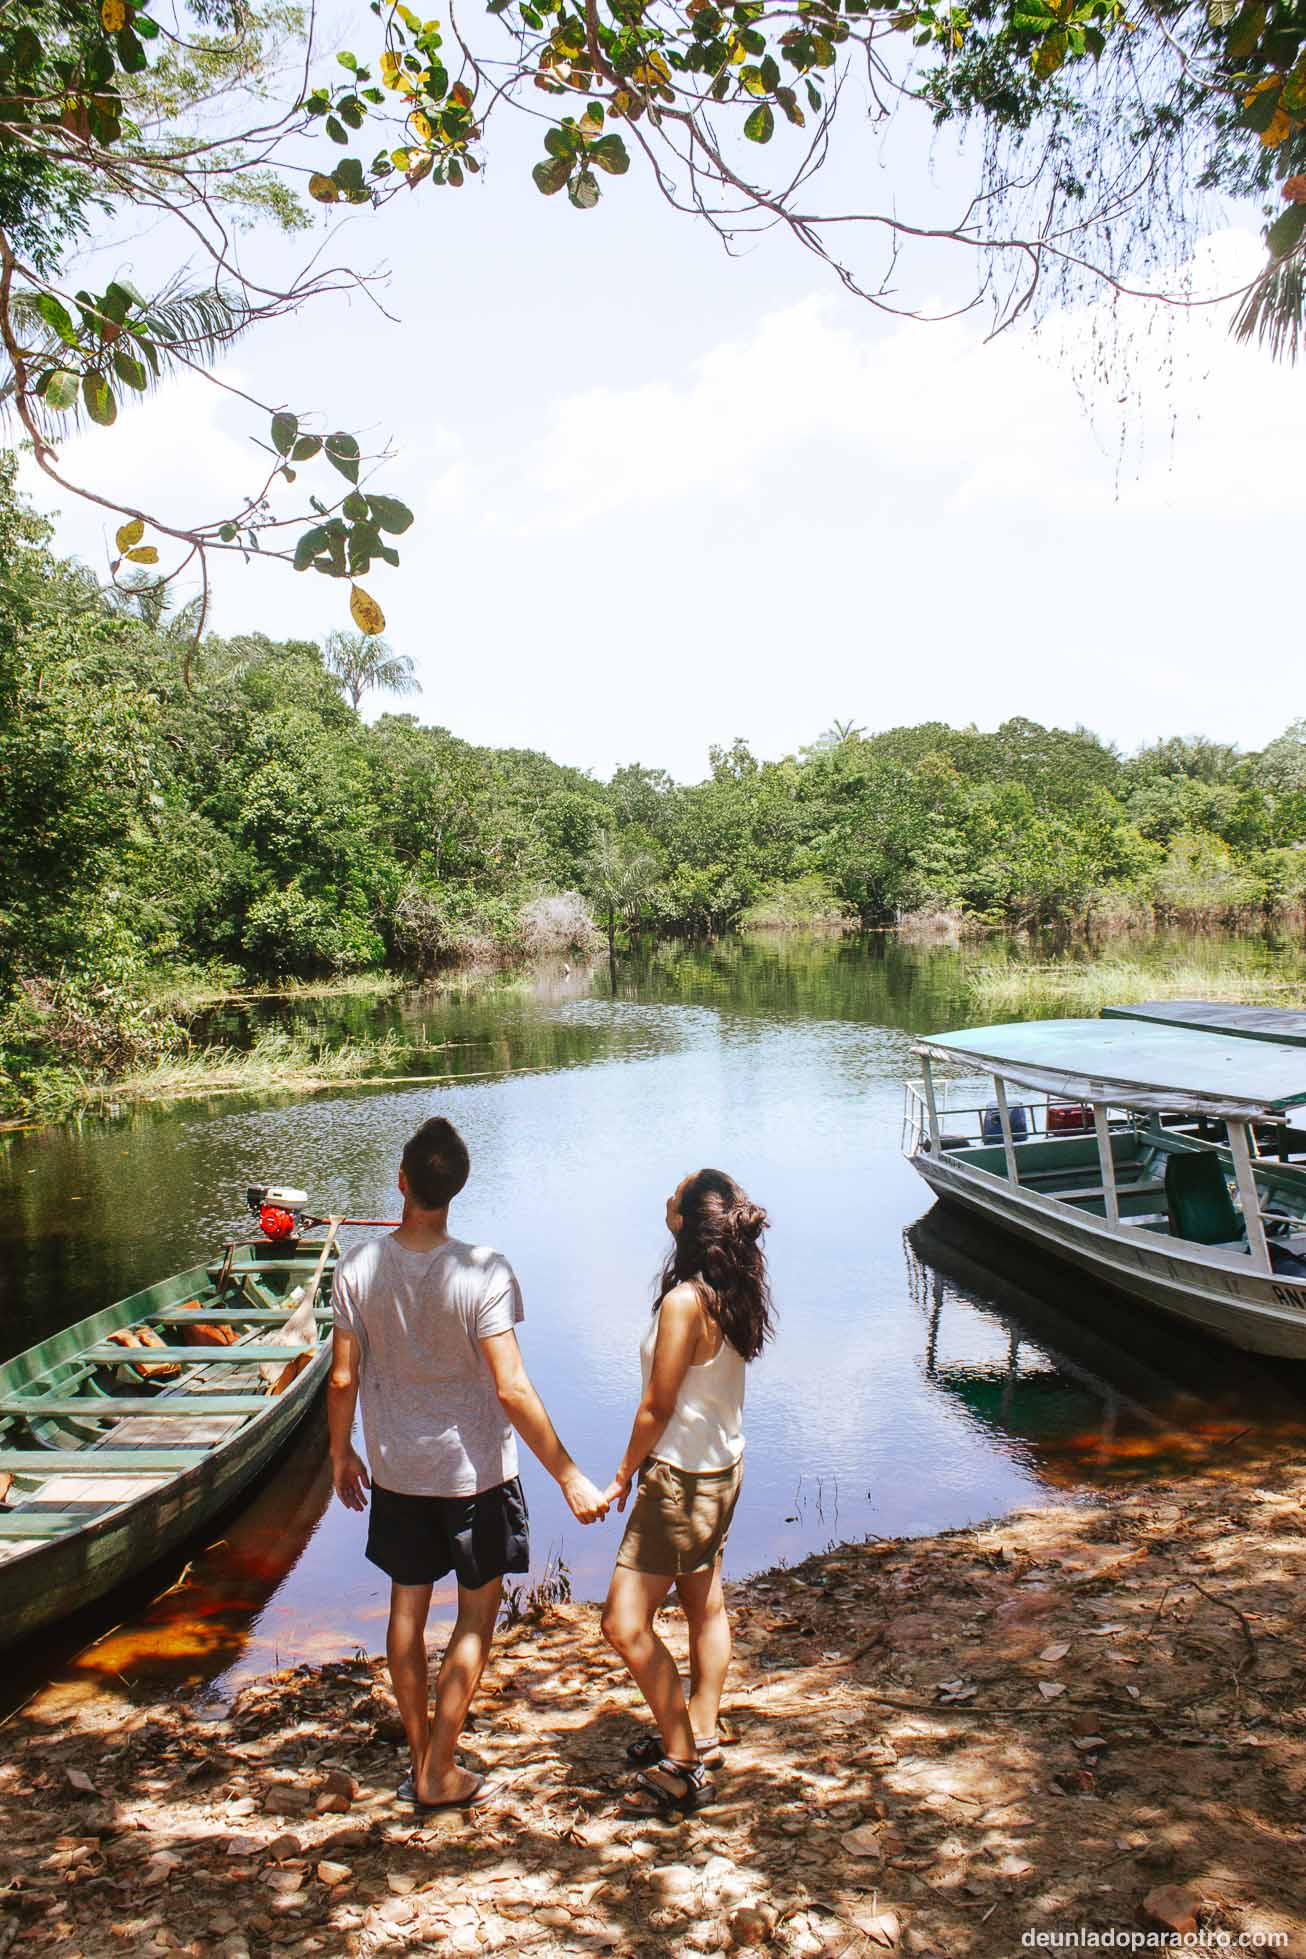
x=280 y=1210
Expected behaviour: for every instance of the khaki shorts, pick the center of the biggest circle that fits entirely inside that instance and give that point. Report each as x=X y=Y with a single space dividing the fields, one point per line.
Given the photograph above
x=680 y=1518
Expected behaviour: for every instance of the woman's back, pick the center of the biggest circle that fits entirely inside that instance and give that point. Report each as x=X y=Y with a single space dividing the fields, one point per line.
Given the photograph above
x=706 y=1429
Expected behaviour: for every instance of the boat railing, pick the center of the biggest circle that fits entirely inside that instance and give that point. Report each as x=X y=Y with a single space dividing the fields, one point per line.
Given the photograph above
x=965 y=1117
x=966 y=1123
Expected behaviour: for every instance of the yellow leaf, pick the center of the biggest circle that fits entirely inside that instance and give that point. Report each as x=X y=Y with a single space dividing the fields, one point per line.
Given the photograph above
x=145 y=554
x=401 y=159
x=129 y=534
x=390 y=66
x=113 y=16
x=1280 y=127
x=322 y=188
x=365 y=612
x=422 y=126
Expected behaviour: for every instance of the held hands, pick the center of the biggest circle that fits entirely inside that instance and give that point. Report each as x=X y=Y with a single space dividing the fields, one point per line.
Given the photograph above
x=584 y=1499
x=349 y=1474
x=618 y=1489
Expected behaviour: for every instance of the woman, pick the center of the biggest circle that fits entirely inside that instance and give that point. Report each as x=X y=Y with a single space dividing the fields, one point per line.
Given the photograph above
x=713 y=1315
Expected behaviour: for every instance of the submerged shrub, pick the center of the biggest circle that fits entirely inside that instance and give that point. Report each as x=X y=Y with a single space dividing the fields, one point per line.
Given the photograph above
x=557 y=922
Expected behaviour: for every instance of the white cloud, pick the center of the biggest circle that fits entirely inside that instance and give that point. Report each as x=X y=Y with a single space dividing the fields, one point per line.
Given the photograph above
x=817 y=513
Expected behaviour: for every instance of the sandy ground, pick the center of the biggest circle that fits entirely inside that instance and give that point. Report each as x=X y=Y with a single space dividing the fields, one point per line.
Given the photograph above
x=1082 y=1717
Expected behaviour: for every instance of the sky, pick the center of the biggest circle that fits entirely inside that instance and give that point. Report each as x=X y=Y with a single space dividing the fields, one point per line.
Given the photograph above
x=666 y=497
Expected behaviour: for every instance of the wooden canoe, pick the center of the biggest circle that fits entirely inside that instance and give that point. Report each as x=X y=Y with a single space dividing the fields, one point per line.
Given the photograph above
x=113 y=1456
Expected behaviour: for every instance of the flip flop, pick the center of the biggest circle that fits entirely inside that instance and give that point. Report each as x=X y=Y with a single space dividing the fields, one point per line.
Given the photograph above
x=475 y=1798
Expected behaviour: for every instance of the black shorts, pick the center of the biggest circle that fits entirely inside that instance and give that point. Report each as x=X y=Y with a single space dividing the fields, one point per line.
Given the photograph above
x=417 y=1539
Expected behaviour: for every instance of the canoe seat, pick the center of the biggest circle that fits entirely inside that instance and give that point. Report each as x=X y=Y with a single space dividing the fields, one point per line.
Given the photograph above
x=45 y=1523
x=1198 y=1201
x=97 y=1462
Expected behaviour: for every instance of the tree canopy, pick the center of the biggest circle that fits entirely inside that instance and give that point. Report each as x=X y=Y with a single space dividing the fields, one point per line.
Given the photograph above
x=1100 y=134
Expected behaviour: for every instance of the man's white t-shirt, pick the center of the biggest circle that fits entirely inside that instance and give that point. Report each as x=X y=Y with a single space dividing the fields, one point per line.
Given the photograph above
x=432 y=1424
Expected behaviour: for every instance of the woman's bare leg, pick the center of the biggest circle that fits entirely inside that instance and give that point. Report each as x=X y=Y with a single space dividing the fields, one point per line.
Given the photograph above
x=703 y=1597
x=633 y=1599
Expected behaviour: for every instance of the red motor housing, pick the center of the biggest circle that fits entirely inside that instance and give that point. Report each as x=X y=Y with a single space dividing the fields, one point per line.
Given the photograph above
x=276 y=1223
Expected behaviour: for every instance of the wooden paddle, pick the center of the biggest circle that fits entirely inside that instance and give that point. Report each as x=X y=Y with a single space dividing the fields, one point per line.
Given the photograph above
x=302 y=1322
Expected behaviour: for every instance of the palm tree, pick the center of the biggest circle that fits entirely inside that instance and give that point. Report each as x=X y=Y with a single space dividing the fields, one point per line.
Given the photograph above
x=358 y=661
x=153 y=602
x=620 y=880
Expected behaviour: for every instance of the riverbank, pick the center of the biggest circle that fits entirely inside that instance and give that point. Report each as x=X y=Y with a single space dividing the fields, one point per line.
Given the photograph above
x=1081 y=1716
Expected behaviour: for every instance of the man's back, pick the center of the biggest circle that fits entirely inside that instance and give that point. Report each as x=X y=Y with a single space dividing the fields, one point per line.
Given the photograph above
x=432 y=1421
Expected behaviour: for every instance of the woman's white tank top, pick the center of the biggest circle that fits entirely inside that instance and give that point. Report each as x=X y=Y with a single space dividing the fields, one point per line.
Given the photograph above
x=707 y=1429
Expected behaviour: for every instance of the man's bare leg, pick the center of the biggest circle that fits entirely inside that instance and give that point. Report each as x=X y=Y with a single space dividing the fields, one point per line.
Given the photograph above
x=439 y=1778
x=703 y=1598
x=405 y=1652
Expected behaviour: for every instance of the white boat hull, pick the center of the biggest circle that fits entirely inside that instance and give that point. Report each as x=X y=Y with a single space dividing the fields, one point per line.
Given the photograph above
x=1209 y=1287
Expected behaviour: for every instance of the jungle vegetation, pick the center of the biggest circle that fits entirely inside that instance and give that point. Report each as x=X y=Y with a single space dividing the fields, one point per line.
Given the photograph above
x=159 y=834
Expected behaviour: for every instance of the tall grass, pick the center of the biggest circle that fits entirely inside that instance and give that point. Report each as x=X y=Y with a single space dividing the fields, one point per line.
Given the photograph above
x=277 y=1060
x=1087 y=986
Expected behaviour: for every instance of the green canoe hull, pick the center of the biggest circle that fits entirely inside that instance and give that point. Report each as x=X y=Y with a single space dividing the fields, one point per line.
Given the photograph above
x=43 y=1580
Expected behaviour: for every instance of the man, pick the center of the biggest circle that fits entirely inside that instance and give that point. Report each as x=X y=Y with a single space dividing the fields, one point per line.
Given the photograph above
x=424 y=1326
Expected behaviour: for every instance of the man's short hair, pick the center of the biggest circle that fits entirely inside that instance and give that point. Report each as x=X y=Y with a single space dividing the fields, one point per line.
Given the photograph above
x=435 y=1164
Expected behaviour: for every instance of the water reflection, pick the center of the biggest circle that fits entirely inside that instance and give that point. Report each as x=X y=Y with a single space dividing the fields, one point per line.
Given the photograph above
x=1079 y=1385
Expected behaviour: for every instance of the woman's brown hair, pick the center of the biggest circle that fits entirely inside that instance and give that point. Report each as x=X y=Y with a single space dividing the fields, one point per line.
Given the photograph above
x=717 y=1250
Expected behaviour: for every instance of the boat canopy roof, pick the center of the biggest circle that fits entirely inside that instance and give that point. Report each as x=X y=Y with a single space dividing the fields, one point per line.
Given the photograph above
x=1219 y=1017
x=1134 y=1064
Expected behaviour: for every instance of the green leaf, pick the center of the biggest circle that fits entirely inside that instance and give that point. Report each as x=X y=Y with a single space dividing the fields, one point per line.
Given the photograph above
x=308 y=545
x=98 y=396
x=760 y=125
x=550 y=175
x=1245 y=33
x=228 y=533
x=1286 y=230
x=348 y=60
x=584 y=190
x=560 y=142
x=335 y=129
x=61 y=390
x=610 y=154
x=285 y=428
x=129 y=370
x=342 y=453
x=306 y=448
x=118 y=303
x=130 y=52
x=1050 y=54
x=56 y=316
x=355 y=507
x=388 y=514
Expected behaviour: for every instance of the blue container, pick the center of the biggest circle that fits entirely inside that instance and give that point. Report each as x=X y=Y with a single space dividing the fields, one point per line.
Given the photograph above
x=991 y=1123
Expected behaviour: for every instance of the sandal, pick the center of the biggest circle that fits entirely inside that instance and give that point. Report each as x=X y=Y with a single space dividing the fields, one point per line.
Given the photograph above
x=697 y=1791
x=647 y=1749
x=475 y=1798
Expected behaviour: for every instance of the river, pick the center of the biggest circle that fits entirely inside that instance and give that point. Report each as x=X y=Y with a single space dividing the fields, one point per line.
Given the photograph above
x=923 y=1375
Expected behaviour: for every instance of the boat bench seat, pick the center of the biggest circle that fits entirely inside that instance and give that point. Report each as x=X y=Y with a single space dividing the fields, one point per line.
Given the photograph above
x=45 y=1523
x=1123 y=1189
x=97 y=1461
x=199 y=1356
x=108 y=1407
